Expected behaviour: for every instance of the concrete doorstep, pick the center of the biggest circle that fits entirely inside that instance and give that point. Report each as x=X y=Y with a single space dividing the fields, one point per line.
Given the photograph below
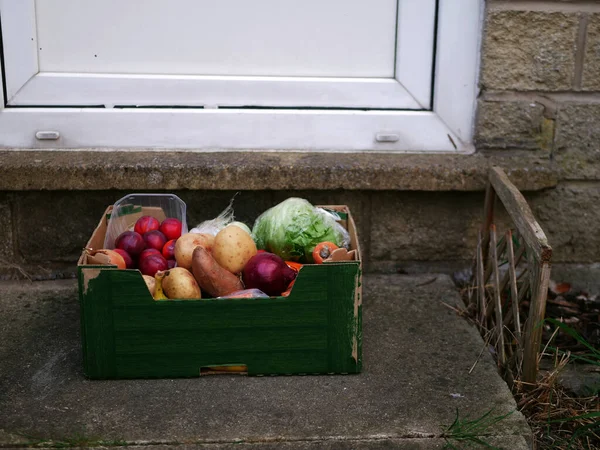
x=417 y=357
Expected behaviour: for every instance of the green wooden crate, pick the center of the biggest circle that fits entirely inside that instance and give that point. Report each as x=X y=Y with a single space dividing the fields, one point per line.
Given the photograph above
x=127 y=334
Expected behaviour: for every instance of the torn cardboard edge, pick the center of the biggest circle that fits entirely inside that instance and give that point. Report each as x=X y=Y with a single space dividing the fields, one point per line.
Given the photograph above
x=341 y=254
x=97 y=259
x=96 y=241
x=354 y=254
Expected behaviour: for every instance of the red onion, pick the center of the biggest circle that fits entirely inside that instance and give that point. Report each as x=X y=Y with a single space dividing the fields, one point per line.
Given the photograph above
x=267 y=272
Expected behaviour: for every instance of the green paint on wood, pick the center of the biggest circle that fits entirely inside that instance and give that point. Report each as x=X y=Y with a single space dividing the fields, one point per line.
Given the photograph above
x=358 y=321
x=359 y=339
x=98 y=334
x=126 y=334
x=341 y=318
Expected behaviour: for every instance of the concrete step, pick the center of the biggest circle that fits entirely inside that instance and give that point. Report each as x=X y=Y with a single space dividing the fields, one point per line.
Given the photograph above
x=417 y=356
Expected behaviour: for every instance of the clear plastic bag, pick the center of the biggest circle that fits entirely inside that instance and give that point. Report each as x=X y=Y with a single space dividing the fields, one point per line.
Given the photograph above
x=130 y=208
x=213 y=226
x=246 y=293
x=294 y=227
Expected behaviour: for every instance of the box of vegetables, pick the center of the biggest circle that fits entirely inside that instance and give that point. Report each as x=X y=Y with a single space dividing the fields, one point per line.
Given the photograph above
x=280 y=298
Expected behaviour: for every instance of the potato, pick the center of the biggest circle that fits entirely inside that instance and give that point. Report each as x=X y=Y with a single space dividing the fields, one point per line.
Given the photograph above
x=233 y=247
x=151 y=283
x=180 y=283
x=185 y=245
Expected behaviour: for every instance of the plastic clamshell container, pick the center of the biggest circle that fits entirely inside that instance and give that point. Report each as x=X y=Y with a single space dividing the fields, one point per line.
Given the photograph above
x=127 y=210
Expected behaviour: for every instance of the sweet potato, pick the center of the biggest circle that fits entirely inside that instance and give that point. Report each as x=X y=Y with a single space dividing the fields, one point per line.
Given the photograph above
x=211 y=277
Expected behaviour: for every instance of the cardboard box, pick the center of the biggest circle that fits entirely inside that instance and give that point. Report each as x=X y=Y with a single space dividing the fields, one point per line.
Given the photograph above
x=127 y=334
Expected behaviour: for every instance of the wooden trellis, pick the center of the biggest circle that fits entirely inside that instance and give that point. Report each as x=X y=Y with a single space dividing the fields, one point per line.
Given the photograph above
x=511 y=278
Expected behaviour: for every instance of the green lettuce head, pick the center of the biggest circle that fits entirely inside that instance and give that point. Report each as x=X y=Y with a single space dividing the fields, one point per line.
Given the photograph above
x=294 y=227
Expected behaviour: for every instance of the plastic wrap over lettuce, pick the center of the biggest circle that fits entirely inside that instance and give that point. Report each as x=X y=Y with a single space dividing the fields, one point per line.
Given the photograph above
x=294 y=227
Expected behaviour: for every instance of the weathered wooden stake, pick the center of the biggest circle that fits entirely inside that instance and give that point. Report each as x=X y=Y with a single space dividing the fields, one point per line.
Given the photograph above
x=530 y=283
x=497 y=303
x=480 y=283
x=514 y=292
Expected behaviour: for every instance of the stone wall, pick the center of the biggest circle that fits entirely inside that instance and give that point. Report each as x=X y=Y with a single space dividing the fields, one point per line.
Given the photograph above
x=408 y=231
x=540 y=94
x=414 y=212
x=397 y=230
x=540 y=82
x=538 y=117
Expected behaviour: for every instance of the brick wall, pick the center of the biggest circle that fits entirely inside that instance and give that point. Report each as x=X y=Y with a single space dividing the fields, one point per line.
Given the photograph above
x=540 y=94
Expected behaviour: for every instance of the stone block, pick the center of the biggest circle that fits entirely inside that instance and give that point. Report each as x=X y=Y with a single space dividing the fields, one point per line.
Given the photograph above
x=529 y=50
x=6 y=232
x=570 y=217
x=513 y=125
x=420 y=226
x=577 y=145
x=591 y=66
x=55 y=226
x=64 y=170
x=442 y=227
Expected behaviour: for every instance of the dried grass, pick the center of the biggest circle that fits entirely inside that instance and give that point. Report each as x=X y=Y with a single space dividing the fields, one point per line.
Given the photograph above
x=22 y=271
x=506 y=299
x=558 y=419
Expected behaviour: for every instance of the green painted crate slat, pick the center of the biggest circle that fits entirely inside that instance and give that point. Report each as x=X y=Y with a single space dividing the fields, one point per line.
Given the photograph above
x=265 y=313
x=269 y=362
x=127 y=334
x=276 y=338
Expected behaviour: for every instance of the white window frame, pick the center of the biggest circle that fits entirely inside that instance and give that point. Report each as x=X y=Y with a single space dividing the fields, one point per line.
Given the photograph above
x=364 y=118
